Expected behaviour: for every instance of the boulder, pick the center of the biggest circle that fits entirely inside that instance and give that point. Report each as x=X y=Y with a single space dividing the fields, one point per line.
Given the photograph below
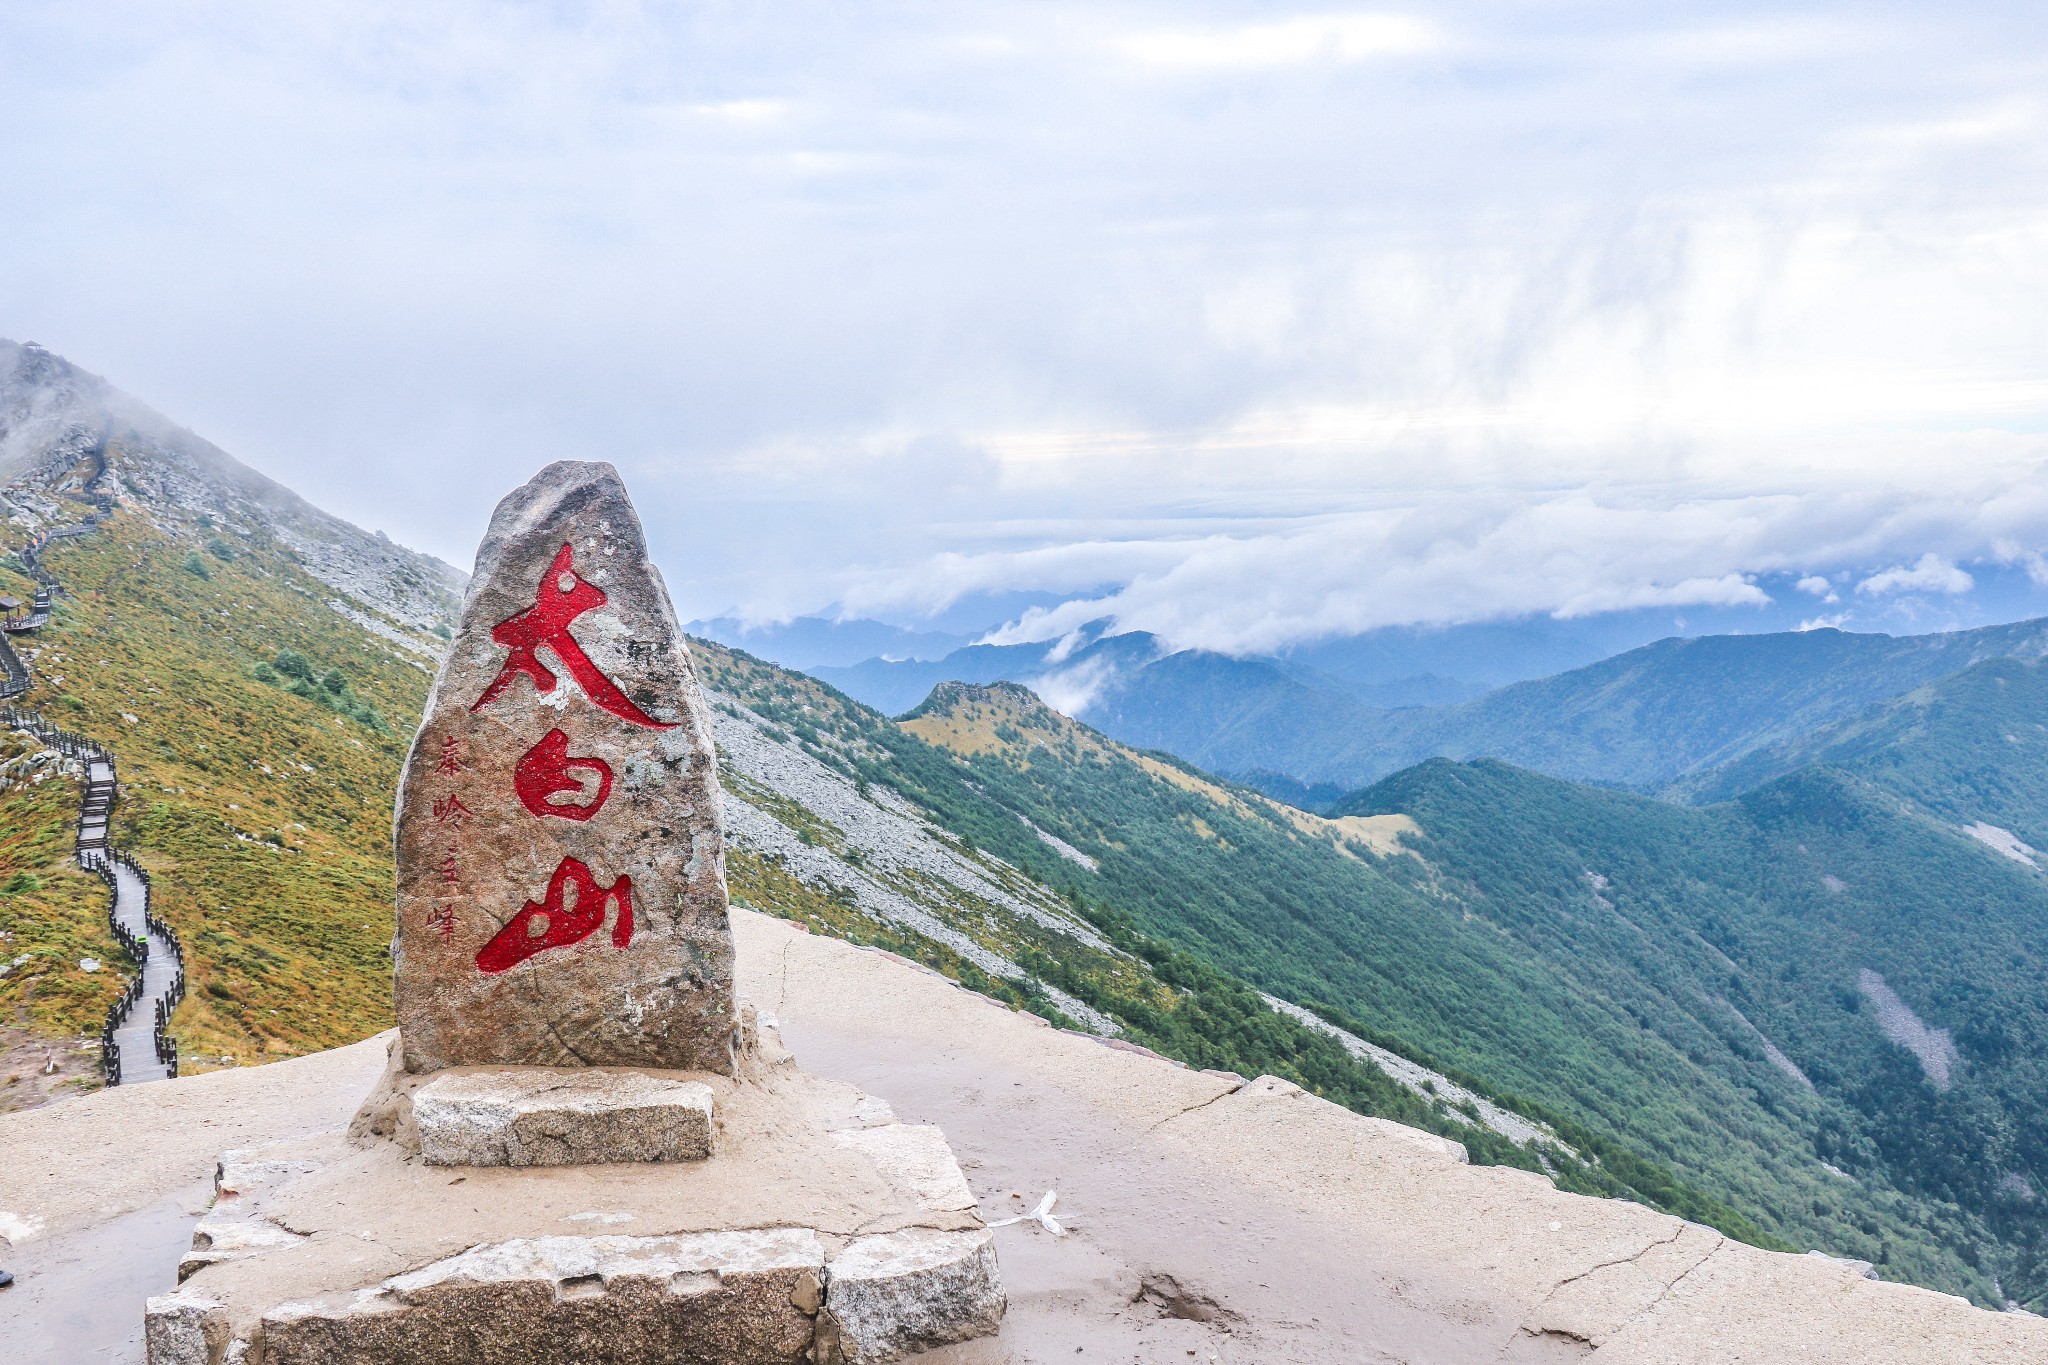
x=561 y=872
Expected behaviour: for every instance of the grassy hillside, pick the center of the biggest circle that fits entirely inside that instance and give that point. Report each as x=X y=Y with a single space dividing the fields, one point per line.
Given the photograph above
x=262 y=816
x=1736 y=930
x=53 y=919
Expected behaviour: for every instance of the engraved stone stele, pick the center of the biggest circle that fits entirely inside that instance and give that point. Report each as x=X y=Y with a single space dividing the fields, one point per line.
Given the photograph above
x=564 y=985
x=561 y=872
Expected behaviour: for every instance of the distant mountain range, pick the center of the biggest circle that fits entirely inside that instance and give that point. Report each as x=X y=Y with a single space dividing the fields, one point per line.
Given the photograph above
x=1652 y=718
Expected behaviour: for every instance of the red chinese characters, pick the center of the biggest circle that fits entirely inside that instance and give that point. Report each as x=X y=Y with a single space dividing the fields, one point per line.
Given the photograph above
x=573 y=910
x=559 y=600
x=546 y=771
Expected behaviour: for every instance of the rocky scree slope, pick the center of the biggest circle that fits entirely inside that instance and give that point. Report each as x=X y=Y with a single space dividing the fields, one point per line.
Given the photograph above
x=54 y=414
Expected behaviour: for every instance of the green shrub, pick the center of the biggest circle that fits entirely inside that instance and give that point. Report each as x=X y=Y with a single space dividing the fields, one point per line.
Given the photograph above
x=21 y=882
x=220 y=549
x=299 y=676
x=196 y=566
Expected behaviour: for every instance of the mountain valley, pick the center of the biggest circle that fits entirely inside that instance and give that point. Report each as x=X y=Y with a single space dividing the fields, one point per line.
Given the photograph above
x=1806 y=1011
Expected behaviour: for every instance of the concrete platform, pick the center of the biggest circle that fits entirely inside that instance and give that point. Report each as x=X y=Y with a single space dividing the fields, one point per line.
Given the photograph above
x=1207 y=1222
x=824 y=1231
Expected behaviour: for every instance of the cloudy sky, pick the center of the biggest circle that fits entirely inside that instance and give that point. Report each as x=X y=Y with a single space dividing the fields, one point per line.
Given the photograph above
x=1242 y=323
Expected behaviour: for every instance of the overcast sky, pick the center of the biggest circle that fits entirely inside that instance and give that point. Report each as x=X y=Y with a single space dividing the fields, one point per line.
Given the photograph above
x=1248 y=323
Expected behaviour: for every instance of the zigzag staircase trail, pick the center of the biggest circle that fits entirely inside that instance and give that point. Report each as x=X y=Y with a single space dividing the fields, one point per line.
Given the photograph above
x=135 y=1041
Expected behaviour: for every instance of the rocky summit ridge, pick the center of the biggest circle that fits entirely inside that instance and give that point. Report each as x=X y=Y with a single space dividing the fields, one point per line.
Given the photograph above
x=63 y=428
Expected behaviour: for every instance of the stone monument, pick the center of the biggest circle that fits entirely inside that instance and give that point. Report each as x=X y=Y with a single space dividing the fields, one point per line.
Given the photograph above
x=586 y=1148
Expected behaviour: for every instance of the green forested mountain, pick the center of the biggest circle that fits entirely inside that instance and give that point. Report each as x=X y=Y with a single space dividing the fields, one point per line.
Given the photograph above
x=1970 y=748
x=1795 y=947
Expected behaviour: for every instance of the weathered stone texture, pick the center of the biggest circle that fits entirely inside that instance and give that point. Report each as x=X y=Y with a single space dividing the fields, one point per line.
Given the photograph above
x=899 y=1292
x=176 y=1328
x=722 y=1298
x=561 y=876
x=917 y=1158
x=226 y=1236
x=558 y=1117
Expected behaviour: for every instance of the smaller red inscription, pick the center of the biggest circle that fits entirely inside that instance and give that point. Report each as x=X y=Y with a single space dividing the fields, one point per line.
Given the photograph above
x=441 y=919
x=573 y=911
x=449 y=873
x=451 y=757
x=546 y=772
x=449 y=810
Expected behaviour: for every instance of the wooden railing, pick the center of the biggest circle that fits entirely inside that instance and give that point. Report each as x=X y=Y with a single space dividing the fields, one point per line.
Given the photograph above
x=14 y=675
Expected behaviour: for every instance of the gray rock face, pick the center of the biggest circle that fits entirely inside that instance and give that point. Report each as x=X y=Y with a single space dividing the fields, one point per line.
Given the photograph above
x=183 y=1329
x=551 y=1117
x=899 y=1292
x=721 y=1298
x=561 y=870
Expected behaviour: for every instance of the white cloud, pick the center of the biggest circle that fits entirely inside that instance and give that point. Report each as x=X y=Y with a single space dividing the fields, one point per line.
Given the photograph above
x=1931 y=573
x=1813 y=585
x=1288 y=42
x=1071 y=691
x=1240 y=325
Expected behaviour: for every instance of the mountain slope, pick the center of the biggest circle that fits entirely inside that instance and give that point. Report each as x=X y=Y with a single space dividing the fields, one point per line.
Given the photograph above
x=1970 y=749
x=1872 y=978
x=1326 y=911
x=55 y=417
x=258 y=712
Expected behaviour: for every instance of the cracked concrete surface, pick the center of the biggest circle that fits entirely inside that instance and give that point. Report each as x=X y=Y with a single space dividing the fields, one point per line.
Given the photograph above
x=1213 y=1221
